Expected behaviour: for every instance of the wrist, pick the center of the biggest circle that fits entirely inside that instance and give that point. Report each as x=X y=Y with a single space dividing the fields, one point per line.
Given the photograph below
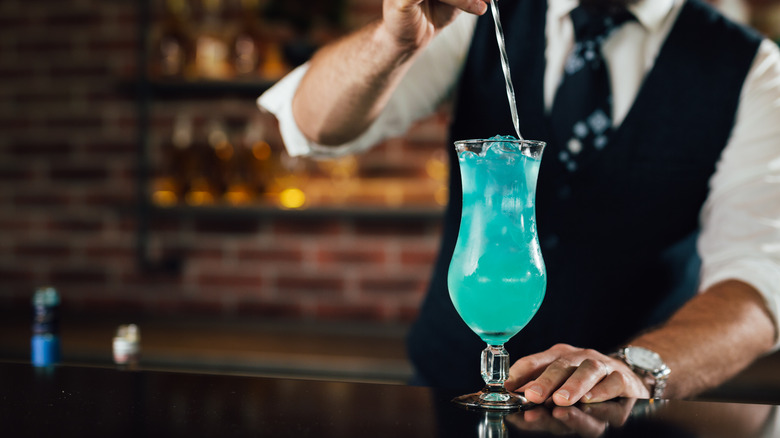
x=648 y=366
x=396 y=48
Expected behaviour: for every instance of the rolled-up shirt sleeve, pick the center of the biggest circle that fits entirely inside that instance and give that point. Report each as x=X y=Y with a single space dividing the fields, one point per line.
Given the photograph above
x=740 y=236
x=427 y=83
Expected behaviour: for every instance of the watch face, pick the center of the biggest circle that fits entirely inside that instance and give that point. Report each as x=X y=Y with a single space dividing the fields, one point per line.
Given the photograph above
x=644 y=358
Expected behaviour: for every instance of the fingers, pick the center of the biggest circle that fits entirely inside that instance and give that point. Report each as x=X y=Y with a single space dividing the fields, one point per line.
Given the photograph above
x=477 y=7
x=529 y=367
x=587 y=376
x=552 y=377
x=610 y=387
x=566 y=375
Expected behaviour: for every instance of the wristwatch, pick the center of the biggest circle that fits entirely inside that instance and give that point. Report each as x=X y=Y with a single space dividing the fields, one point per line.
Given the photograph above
x=648 y=365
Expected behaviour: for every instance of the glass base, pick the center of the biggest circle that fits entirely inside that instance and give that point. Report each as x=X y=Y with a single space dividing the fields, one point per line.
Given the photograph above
x=493 y=401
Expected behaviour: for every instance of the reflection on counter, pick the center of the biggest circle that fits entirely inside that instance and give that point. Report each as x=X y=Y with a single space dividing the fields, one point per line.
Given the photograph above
x=619 y=418
x=82 y=401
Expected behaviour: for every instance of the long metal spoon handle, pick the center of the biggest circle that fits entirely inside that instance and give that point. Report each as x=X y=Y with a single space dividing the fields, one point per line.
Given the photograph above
x=510 y=89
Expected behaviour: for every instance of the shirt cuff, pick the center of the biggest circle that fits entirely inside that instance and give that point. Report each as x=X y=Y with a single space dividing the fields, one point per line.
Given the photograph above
x=278 y=101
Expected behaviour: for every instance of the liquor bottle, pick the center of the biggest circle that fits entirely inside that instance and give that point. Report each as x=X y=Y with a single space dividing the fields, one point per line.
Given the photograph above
x=203 y=187
x=45 y=342
x=258 y=167
x=247 y=45
x=173 y=48
x=178 y=165
x=211 y=47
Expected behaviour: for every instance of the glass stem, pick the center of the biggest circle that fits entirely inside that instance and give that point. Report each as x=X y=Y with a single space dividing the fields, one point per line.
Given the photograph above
x=495 y=367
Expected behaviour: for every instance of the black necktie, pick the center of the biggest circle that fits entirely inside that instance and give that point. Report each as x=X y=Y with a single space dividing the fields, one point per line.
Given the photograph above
x=582 y=109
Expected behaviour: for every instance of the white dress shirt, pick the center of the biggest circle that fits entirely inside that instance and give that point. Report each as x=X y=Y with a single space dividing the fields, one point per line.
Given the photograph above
x=740 y=220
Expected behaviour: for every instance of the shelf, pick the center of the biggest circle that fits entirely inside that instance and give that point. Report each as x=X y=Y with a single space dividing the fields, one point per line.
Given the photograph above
x=229 y=212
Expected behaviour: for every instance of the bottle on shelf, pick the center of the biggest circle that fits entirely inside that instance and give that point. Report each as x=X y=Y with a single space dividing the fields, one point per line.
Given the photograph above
x=260 y=158
x=247 y=49
x=203 y=187
x=211 y=43
x=178 y=165
x=173 y=47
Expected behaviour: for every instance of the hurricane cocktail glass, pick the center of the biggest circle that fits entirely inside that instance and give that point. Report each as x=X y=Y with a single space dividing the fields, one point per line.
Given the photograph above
x=497 y=277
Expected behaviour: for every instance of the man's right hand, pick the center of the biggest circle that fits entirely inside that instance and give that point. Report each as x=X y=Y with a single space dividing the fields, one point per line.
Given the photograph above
x=413 y=23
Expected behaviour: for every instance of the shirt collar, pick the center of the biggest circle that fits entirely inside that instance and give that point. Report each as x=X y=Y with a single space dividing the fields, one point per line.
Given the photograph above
x=650 y=13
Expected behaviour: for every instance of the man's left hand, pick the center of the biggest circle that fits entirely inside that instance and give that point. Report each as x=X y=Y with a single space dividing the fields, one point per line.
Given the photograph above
x=568 y=374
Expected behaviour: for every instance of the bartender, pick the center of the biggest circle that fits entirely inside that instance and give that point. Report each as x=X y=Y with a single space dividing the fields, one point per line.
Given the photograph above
x=658 y=201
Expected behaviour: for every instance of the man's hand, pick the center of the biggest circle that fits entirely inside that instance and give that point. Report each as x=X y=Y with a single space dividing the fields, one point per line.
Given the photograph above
x=568 y=374
x=585 y=420
x=413 y=23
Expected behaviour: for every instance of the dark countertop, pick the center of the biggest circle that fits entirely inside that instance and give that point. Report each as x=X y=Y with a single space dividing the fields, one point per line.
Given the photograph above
x=351 y=351
x=83 y=401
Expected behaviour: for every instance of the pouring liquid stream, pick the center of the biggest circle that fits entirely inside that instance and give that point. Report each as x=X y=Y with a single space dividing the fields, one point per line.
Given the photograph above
x=510 y=89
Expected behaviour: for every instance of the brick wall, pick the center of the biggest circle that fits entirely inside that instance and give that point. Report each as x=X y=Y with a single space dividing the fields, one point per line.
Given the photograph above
x=68 y=188
x=68 y=191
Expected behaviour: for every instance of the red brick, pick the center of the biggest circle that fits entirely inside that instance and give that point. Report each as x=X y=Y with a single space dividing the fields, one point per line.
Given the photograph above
x=43 y=249
x=113 y=148
x=370 y=255
x=20 y=22
x=15 y=225
x=77 y=275
x=230 y=280
x=41 y=199
x=16 y=274
x=112 y=46
x=408 y=313
x=418 y=257
x=54 y=148
x=76 y=225
x=393 y=285
x=104 y=252
x=164 y=224
x=309 y=284
x=201 y=254
x=103 y=304
x=78 y=173
x=110 y=199
x=45 y=47
x=16 y=123
x=390 y=228
x=74 y=122
x=148 y=280
x=14 y=174
x=64 y=72
x=72 y=18
x=285 y=255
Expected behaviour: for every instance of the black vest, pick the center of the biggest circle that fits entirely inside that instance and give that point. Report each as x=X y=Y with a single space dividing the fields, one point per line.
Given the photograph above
x=618 y=236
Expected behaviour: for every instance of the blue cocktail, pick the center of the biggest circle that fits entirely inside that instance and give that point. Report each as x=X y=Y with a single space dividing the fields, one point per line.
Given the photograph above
x=497 y=277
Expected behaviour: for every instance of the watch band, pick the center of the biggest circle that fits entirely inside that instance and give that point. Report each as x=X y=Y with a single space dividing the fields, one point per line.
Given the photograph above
x=655 y=377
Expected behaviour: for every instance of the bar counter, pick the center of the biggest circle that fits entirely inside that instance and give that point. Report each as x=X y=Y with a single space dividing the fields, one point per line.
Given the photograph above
x=69 y=400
